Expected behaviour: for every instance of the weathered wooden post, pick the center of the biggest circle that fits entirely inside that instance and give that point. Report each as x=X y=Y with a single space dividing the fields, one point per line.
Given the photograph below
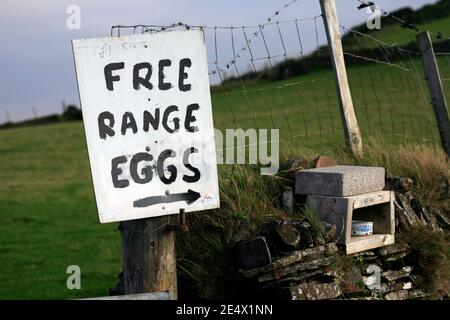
x=149 y=258
x=434 y=81
x=349 y=121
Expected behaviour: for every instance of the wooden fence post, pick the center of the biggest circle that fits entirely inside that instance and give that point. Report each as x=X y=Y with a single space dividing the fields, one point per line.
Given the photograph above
x=349 y=121
x=149 y=259
x=433 y=77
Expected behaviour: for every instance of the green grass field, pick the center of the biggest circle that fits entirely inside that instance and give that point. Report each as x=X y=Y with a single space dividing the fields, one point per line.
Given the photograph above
x=48 y=218
x=387 y=100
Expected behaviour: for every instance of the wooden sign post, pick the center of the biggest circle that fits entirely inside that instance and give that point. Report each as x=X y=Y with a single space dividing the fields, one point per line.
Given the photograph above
x=149 y=259
x=433 y=77
x=147 y=115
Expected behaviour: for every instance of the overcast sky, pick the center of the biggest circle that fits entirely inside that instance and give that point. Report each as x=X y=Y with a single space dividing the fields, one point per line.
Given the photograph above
x=36 y=63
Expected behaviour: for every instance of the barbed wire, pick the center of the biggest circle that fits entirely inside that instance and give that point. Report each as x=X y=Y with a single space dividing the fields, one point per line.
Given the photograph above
x=267 y=21
x=404 y=23
x=369 y=4
x=246 y=30
x=156 y=28
x=376 y=61
x=378 y=41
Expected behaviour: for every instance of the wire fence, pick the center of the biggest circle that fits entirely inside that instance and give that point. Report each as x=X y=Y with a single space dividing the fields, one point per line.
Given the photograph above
x=277 y=83
x=389 y=90
x=444 y=67
x=278 y=75
x=271 y=76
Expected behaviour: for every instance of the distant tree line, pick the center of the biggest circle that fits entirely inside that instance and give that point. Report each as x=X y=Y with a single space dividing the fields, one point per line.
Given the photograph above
x=71 y=113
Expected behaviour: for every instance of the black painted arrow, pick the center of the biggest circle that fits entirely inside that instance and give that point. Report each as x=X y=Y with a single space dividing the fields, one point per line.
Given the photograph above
x=190 y=197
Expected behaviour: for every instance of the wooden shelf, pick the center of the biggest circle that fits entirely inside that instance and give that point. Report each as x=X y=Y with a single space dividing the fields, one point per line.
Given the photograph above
x=358 y=244
x=377 y=207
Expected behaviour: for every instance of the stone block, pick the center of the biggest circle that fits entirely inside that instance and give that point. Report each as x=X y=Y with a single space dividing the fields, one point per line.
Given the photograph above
x=286 y=237
x=253 y=254
x=340 y=181
x=316 y=291
x=394 y=249
x=397 y=295
x=393 y=275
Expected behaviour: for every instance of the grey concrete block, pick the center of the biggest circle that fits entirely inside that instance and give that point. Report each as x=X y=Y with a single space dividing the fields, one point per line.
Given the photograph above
x=340 y=181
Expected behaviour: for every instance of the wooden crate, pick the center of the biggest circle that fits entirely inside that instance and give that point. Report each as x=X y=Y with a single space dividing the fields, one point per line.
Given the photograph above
x=377 y=207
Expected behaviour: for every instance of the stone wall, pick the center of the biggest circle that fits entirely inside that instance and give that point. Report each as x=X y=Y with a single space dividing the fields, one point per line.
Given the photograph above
x=290 y=259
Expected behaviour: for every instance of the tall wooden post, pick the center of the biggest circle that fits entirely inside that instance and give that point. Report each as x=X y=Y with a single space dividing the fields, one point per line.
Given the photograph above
x=433 y=77
x=149 y=260
x=349 y=121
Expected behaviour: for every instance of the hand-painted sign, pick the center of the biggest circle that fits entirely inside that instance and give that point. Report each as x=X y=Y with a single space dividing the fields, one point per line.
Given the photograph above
x=147 y=115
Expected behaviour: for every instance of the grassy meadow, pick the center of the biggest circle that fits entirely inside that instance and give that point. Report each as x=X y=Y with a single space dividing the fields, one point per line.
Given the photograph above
x=48 y=216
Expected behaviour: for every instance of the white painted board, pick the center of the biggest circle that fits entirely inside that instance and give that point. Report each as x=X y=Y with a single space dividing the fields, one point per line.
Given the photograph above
x=147 y=115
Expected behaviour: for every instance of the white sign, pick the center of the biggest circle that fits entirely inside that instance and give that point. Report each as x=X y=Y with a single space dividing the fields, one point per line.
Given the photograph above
x=147 y=115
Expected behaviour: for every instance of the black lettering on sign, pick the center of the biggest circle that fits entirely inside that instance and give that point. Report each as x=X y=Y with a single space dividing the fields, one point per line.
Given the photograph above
x=183 y=75
x=138 y=80
x=150 y=119
x=196 y=176
x=146 y=171
x=128 y=122
x=109 y=78
x=104 y=129
x=116 y=171
x=171 y=168
x=190 y=118
x=176 y=120
x=161 y=84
